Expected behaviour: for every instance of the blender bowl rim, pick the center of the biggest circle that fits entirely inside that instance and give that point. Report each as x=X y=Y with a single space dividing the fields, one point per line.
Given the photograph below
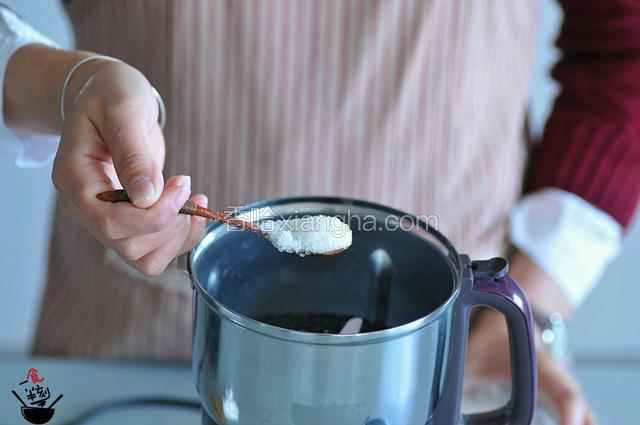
x=452 y=257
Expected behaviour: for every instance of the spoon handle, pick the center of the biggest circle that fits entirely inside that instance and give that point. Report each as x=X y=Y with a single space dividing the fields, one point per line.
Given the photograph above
x=189 y=208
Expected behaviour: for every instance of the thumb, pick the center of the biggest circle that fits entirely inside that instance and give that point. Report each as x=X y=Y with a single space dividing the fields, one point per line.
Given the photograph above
x=135 y=164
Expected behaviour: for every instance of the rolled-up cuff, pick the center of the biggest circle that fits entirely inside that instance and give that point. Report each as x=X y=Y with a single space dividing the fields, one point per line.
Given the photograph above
x=567 y=237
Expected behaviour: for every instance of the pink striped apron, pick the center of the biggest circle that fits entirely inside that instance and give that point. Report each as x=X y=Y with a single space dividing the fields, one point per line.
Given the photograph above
x=417 y=104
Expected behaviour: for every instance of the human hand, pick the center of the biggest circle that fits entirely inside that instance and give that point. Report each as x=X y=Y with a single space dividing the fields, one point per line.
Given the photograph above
x=110 y=140
x=488 y=354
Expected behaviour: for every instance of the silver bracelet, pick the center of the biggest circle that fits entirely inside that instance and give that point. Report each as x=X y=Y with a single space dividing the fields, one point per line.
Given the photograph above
x=553 y=333
x=162 y=111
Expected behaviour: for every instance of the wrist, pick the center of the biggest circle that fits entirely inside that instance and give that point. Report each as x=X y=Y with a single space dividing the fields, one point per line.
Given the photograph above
x=544 y=295
x=547 y=300
x=33 y=82
x=109 y=88
x=79 y=78
x=491 y=323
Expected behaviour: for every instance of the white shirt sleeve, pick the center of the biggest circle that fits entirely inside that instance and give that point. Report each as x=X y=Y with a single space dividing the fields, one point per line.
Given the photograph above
x=29 y=150
x=567 y=237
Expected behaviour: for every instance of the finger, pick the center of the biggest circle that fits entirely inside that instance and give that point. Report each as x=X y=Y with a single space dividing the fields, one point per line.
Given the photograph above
x=126 y=135
x=134 y=248
x=82 y=160
x=572 y=411
x=198 y=225
x=591 y=418
x=156 y=261
x=563 y=391
x=82 y=169
x=121 y=220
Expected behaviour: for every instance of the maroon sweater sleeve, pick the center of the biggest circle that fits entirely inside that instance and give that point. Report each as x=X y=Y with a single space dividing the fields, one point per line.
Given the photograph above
x=591 y=143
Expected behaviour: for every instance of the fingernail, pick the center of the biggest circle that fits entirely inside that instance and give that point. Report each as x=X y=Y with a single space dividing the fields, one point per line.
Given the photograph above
x=141 y=189
x=181 y=197
x=183 y=181
x=204 y=201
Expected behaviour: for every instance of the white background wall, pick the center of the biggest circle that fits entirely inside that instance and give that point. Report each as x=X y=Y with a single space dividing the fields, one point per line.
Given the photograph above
x=606 y=327
x=27 y=199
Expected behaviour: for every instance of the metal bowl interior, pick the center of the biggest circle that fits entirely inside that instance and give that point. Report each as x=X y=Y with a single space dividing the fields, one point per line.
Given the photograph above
x=396 y=260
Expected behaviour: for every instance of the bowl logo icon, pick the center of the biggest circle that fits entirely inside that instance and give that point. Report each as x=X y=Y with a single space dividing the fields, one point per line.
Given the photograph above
x=35 y=410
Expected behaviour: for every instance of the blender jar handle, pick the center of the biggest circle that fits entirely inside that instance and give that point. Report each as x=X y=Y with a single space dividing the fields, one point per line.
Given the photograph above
x=490 y=286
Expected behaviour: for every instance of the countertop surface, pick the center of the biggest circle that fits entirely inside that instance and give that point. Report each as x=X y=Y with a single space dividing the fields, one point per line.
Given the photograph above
x=614 y=390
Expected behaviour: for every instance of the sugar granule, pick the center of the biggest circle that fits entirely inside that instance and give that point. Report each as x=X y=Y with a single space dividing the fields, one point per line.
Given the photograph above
x=308 y=235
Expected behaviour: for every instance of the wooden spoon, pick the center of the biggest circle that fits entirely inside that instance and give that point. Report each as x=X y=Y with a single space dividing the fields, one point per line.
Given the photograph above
x=191 y=208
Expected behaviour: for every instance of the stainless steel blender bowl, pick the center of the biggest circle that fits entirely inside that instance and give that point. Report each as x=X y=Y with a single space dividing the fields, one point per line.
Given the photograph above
x=411 y=279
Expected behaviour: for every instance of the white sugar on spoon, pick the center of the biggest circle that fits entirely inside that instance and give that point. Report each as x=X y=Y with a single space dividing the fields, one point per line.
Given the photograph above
x=309 y=235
